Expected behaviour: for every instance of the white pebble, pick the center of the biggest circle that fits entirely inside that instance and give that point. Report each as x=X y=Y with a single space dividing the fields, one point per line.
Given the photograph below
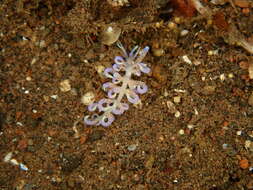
x=65 y=85
x=184 y=32
x=28 y=78
x=190 y=126
x=247 y=144
x=177 y=114
x=54 y=96
x=230 y=75
x=186 y=59
x=212 y=52
x=88 y=98
x=177 y=99
x=222 y=77
x=7 y=157
x=100 y=69
x=14 y=162
x=172 y=25
x=181 y=132
x=33 y=61
x=238 y=133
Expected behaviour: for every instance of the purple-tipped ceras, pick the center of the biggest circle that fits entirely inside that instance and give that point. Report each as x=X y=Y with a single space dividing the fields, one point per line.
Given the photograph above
x=121 y=86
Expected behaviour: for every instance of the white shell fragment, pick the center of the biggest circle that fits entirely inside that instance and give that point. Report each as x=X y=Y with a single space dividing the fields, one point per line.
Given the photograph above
x=251 y=71
x=110 y=35
x=177 y=114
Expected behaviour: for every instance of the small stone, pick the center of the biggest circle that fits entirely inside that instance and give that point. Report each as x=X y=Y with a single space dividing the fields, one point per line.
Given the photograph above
x=8 y=157
x=65 y=85
x=42 y=44
x=244 y=163
x=172 y=25
x=248 y=145
x=212 y=52
x=177 y=99
x=250 y=69
x=250 y=100
x=177 y=20
x=222 y=77
x=184 y=32
x=158 y=52
x=239 y=133
x=132 y=147
x=54 y=96
x=177 y=114
x=246 y=11
x=181 y=132
x=118 y=3
x=190 y=126
x=186 y=59
x=88 y=98
x=28 y=78
x=242 y=3
x=230 y=75
x=196 y=62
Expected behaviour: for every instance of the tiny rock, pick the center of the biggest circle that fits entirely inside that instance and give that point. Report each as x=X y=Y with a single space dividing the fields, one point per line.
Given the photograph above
x=208 y=90
x=244 y=163
x=250 y=100
x=88 y=98
x=177 y=99
x=118 y=3
x=158 y=52
x=242 y=3
x=65 y=85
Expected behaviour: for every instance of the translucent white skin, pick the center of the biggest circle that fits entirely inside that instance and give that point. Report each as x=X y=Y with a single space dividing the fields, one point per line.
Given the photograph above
x=131 y=64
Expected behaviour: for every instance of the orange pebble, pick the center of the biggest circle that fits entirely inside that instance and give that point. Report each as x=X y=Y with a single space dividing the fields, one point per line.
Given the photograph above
x=244 y=163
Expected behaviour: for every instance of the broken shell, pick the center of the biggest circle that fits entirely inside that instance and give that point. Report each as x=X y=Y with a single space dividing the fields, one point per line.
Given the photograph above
x=110 y=35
